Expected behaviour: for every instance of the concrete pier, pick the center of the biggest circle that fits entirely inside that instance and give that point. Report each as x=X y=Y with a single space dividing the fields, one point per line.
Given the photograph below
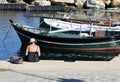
x=60 y=71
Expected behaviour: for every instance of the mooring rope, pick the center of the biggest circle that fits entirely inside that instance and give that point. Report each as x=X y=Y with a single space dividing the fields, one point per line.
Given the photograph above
x=3 y=41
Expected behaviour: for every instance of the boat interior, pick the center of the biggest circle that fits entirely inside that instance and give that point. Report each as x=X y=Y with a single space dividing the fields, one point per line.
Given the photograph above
x=68 y=33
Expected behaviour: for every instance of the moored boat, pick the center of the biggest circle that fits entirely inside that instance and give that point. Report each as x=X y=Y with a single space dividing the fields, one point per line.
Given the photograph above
x=66 y=45
x=81 y=25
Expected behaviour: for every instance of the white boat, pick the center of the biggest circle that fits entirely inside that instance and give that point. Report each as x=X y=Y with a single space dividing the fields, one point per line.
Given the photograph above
x=73 y=26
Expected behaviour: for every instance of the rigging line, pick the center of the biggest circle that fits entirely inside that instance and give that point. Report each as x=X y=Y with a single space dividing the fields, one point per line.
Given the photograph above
x=4 y=41
x=42 y=22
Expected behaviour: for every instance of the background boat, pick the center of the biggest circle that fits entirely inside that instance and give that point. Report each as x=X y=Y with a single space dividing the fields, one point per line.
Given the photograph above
x=80 y=25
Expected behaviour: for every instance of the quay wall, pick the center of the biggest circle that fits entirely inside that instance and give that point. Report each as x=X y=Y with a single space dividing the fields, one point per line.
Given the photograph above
x=22 y=6
x=47 y=8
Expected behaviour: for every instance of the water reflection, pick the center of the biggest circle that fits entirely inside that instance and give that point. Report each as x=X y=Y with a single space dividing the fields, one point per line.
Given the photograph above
x=9 y=43
x=9 y=40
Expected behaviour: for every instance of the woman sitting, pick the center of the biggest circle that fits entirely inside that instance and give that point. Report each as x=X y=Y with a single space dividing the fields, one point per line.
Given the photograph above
x=33 y=51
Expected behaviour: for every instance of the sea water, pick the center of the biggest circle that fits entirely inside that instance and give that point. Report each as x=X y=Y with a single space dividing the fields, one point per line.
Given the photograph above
x=10 y=43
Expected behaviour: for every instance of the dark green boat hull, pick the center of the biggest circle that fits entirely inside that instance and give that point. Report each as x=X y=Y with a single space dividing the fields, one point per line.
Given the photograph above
x=72 y=53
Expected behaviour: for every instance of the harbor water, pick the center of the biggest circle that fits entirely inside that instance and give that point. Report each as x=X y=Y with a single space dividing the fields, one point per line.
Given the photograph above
x=10 y=43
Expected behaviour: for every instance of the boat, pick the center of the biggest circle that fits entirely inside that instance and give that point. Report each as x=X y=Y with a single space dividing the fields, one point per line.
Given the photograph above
x=68 y=46
x=79 y=25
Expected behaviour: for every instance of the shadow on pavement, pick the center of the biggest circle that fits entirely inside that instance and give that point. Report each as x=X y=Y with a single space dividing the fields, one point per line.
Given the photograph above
x=69 y=80
x=56 y=79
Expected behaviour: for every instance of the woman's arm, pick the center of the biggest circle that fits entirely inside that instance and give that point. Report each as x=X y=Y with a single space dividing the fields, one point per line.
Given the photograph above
x=39 y=51
x=26 y=53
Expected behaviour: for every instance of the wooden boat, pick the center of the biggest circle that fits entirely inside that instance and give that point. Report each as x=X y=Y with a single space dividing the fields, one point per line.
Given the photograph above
x=71 y=46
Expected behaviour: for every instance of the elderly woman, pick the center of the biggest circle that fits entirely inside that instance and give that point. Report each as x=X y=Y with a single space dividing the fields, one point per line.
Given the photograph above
x=33 y=51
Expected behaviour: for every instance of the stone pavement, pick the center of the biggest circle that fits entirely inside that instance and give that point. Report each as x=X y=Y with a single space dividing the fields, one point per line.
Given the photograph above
x=60 y=71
